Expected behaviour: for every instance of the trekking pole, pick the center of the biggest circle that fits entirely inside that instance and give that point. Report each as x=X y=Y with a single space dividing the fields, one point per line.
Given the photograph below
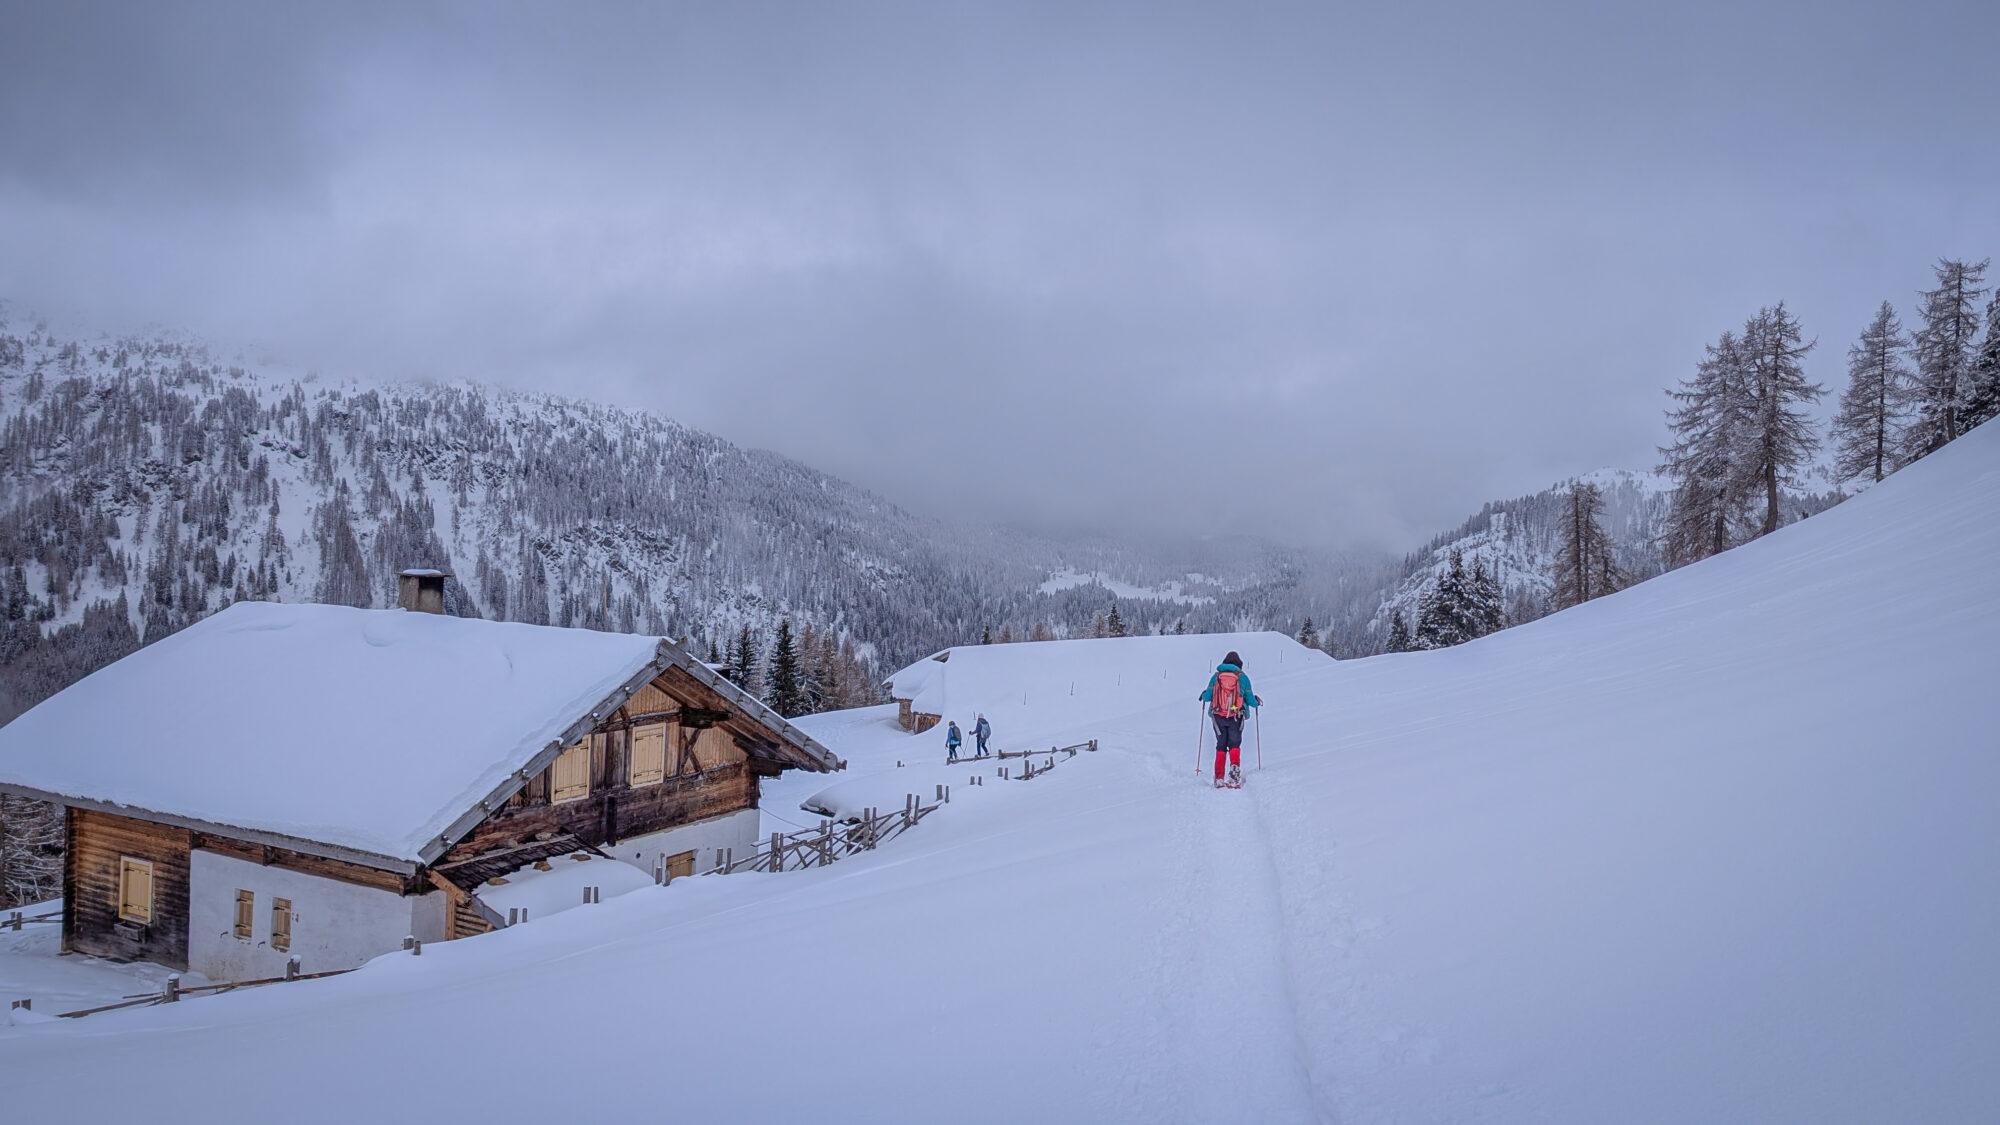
x=1260 y=738
x=1198 y=717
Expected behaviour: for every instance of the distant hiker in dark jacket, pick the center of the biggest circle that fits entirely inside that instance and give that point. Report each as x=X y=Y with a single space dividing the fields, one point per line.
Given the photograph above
x=1229 y=698
x=981 y=731
x=952 y=741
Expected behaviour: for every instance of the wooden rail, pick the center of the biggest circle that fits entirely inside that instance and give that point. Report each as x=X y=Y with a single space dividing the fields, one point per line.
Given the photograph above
x=14 y=920
x=173 y=990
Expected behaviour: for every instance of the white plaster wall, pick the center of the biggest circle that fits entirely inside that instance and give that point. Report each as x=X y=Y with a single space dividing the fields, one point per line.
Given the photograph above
x=705 y=838
x=427 y=916
x=335 y=925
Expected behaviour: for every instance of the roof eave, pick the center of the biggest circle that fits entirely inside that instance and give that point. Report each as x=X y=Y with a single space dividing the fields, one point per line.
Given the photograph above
x=376 y=860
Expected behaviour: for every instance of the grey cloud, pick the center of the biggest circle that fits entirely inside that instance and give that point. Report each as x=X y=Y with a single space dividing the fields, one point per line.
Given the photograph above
x=1322 y=273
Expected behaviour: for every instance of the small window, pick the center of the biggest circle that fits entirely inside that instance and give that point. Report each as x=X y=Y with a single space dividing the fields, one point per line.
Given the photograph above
x=570 y=776
x=680 y=866
x=281 y=924
x=649 y=754
x=135 y=890
x=246 y=905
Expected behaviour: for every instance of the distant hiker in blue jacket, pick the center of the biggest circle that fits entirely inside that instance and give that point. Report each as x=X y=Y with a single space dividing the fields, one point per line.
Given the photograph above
x=952 y=741
x=981 y=731
x=1229 y=698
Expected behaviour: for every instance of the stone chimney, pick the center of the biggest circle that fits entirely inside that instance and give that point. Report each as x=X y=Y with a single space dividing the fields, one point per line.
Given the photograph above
x=421 y=590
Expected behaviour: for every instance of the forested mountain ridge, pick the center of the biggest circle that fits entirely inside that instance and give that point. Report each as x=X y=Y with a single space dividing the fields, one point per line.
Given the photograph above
x=145 y=482
x=1518 y=541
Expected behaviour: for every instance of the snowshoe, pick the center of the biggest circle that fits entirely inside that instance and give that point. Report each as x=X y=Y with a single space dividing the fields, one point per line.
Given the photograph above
x=1236 y=777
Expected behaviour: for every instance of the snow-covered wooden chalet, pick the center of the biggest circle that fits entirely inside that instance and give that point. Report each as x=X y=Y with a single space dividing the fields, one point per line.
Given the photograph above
x=319 y=781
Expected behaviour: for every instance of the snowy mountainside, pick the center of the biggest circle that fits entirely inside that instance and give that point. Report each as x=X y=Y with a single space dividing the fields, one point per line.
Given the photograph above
x=1715 y=848
x=145 y=482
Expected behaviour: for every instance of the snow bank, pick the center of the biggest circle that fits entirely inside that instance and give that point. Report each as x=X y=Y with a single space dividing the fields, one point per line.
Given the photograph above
x=1032 y=692
x=368 y=729
x=1718 y=848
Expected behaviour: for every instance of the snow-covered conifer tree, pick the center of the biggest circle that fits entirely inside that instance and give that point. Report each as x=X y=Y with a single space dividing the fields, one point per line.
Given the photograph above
x=786 y=695
x=1584 y=568
x=1984 y=403
x=1709 y=501
x=1114 y=625
x=1780 y=437
x=1864 y=432
x=1309 y=636
x=1399 y=635
x=1483 y=601
x=1445 y=617
x=1943 y=348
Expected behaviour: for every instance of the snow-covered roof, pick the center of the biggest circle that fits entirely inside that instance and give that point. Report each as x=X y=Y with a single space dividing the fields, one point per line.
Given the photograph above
x=378 y=732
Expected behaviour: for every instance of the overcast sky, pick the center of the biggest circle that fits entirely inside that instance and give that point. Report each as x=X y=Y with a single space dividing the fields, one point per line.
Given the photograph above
x=1334 y=274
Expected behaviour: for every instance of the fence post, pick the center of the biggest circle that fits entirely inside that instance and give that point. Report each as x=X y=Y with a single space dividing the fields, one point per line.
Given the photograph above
x=173 y=993
x=513 y=915
x=777 y=851
x=291 y=968
x=15 y=921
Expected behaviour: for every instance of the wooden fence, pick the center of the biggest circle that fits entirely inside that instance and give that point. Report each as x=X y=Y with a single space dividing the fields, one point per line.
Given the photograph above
x=15 y=920
x=817 y=847
x=173 y=990
x=813 y=847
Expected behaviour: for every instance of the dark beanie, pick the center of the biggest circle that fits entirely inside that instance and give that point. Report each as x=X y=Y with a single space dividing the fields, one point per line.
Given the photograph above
x=1232 y=658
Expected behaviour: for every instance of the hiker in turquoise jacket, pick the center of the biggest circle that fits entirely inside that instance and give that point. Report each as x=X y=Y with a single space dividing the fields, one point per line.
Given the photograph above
x=1229 y=699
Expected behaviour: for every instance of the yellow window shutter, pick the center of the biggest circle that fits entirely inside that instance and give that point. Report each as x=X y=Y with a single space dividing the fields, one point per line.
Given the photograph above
x=571 y=774
x=281 y=924
x=649 y=754
x=680 y=866
x=246 y=905
x=135 y=890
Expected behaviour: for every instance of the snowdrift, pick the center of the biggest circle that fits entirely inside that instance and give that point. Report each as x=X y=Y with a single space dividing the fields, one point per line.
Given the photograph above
x=1717 y=848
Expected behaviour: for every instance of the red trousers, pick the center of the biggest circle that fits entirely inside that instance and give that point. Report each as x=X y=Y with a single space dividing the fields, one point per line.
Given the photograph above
x=1235 y=756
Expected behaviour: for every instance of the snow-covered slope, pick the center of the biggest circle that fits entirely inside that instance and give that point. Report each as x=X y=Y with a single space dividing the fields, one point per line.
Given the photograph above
x=1721 y=847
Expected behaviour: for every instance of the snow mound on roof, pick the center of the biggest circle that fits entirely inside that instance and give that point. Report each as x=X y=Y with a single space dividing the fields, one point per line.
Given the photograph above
x=366 y=729
x=538 y=893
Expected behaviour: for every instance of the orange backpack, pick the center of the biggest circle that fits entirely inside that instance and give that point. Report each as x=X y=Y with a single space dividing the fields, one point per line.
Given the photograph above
x=1228 y=696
